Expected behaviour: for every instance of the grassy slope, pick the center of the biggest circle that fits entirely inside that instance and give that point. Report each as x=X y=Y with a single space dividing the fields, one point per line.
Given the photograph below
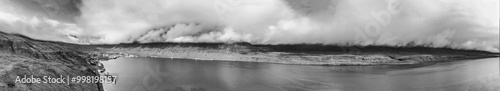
x=21 y=56
x=297 y=54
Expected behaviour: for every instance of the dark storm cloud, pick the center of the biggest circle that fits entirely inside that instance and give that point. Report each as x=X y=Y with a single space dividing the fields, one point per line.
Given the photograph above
x=41 y=19
x=61 y=10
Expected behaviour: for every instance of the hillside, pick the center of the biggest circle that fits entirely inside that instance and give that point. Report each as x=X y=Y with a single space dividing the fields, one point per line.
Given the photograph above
x=21 y=56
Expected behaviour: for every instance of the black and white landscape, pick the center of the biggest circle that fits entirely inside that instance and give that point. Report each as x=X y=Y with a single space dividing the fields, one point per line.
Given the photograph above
x=288 y=45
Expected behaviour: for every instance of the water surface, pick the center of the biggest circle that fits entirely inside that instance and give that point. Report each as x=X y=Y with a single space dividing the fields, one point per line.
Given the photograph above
x=160 y=74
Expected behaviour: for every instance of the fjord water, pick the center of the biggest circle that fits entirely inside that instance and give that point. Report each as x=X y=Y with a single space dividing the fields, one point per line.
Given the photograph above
x=160 y=74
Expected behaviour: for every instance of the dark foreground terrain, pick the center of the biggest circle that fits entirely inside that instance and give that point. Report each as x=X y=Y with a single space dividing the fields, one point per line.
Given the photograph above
x=20 y=55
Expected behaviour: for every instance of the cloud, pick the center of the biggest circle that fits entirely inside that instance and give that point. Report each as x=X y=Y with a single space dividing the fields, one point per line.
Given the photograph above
x=463 y=24
x=117 y=20
x=33 y=19
x=39 y=28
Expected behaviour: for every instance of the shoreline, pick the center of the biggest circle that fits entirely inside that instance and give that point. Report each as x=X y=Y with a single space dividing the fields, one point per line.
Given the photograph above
x=319 y=64
x=293 y=54
x=318 y=60
x=302 y=54
x=453 y=60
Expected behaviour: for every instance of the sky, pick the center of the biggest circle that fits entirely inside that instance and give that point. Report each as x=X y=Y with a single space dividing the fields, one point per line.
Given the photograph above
x=461 y=24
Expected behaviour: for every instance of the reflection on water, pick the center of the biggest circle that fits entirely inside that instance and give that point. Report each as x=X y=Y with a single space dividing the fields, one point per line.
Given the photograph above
x=156 y=74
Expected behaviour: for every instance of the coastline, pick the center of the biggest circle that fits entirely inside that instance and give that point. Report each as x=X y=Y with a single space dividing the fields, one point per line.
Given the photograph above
x=288 y=58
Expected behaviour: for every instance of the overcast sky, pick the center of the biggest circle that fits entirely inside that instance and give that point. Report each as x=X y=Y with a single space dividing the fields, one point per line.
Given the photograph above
x=467 y=24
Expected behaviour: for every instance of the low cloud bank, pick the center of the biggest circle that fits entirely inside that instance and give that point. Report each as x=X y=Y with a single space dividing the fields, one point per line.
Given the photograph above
x=463 y=24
